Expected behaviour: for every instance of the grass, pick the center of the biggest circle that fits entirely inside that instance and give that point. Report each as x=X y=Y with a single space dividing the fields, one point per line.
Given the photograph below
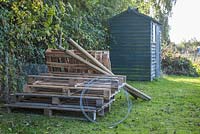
x=174 y=109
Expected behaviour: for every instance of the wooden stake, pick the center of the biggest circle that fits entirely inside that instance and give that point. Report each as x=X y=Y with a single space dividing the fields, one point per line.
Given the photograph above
x=89 y=56
x=133 y=91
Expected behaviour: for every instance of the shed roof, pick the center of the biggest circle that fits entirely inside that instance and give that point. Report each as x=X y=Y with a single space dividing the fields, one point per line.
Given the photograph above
x=135 y=11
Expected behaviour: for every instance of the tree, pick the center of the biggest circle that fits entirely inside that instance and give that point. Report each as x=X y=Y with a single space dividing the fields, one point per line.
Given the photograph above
x=163 y=10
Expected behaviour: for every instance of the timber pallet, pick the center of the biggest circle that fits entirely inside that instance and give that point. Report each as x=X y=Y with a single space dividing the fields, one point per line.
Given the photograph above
x=57 y=99
x=58 y=61
x=73 y=85
x=49 y=109
x=86 y=76
x=52 y=92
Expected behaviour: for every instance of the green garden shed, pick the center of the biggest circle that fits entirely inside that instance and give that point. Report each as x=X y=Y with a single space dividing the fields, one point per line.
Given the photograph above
x=135 y=45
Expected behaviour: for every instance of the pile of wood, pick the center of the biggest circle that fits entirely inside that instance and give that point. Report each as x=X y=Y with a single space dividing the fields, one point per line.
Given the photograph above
x=62 y=91
x=78 y=81
x=58 y=61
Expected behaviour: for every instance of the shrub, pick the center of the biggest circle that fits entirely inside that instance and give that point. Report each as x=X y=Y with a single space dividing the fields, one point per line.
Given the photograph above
x=197 y=67
x=173 y=63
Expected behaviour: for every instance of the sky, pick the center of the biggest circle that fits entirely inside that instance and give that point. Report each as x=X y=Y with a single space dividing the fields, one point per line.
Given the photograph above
x=185 y=21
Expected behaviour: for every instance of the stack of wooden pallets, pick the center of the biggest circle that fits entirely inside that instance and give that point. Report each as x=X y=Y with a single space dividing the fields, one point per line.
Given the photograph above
x=58 y=61
x=68 y=83
x=78 y=81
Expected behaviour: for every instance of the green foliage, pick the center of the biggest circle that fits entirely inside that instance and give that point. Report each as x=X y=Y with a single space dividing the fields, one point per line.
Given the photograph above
x=88 y=21
x=163 y=10
x=178 y=65
x=197 y=67
x=29 y=27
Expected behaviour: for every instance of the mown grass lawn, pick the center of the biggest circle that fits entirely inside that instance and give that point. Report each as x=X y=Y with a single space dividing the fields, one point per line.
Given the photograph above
x=174 y=109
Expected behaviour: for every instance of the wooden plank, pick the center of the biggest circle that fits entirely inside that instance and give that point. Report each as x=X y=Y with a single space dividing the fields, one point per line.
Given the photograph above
x=68 y=88
x=65 y=64
x=60 y=96
x=51 y=83
x=83 y=75
x=76 y=102
x=49 y=106
x=80 y=77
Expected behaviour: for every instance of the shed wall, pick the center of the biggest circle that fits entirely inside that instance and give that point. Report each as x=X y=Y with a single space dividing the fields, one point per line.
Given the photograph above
x=155 y=51
x=158 y=52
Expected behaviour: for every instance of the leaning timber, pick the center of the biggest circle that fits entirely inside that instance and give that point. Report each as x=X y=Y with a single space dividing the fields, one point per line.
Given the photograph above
x=100 y=67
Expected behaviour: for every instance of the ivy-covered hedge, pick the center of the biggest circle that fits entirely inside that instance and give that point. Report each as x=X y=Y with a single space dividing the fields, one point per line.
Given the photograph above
x=177 y=65
x=27 y=28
